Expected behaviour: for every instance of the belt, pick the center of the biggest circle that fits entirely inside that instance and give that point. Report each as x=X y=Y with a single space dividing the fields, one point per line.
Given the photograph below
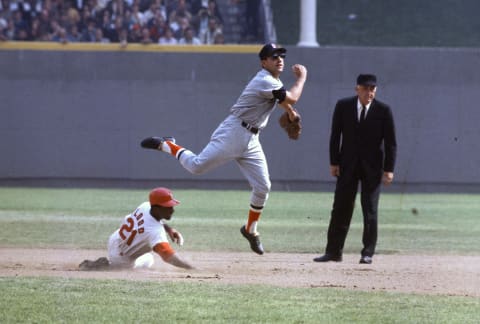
x=252 y=129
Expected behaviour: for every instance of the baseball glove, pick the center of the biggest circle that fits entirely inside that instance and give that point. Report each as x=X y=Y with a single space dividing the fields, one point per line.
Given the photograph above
x=293 y=128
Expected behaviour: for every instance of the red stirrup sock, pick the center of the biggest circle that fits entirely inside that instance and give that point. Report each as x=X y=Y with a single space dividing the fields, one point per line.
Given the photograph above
x=172 y=148
x=253 y=216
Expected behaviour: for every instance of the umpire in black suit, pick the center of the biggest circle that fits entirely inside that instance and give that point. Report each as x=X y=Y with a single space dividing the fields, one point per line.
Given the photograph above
x=362 y=149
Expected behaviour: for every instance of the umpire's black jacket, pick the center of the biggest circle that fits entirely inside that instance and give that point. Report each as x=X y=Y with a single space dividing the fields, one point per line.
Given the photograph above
x=371 y=143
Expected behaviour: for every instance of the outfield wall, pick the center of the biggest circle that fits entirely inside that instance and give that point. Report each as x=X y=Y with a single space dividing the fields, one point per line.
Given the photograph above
x=80 y=113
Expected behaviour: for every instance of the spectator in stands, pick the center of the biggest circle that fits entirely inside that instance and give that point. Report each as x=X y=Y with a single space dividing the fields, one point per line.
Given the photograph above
x=137 y=15
x=189 y=38
x=22 y=35
x=180 y=27
x=106 y=22
x=155 y=8
x=135 y=34
x=128 y=20
x=207 y=36
x=180 y=13
x=25 y=10
x=73 y=35
x=123 y=37
x=213 y=11
x=3 y=27
x=60 y=35
x=18 y=22
x=168 y=38
x=9 y=30
x=201 y=20
x=89 y=34
x=84 y=19
x=71 y=14
x=173 y=5
x=36 y=33
x=117 y=8
x=99 y=36
x=146 y=39
x=219 y=39
x=42 y=20
x=54 y=30
x=156 y=26
x=113 y=32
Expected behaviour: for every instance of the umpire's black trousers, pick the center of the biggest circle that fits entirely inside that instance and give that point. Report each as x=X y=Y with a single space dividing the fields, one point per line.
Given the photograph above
x=343 y=205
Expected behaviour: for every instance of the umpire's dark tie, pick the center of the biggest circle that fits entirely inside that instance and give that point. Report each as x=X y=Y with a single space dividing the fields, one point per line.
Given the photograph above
x=362 y=114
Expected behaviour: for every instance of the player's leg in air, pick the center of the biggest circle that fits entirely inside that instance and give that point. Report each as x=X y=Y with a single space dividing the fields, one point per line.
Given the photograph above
x=212 y=156
x=254 y=167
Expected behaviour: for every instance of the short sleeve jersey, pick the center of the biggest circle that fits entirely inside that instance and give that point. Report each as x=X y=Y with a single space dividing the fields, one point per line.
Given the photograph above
x=256 y=103
x=140 y=232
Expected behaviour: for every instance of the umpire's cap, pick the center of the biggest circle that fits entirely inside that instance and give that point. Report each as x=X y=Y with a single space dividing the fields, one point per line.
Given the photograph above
x=270 y=49
x=367 y=80
x=162 y=197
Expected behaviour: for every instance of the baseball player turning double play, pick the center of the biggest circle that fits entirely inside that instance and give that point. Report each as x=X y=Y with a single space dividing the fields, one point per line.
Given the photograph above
x=142 y=232
x=237 y=137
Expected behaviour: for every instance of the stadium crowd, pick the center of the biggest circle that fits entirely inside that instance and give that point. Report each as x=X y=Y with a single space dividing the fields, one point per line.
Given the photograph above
x=118 y=21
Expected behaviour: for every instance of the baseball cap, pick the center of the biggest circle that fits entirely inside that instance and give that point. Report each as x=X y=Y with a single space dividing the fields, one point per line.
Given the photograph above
x=367 y=80
x=162 y=197
x=270 y=49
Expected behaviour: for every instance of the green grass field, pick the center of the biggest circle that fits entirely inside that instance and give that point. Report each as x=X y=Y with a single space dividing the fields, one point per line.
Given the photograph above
x=444 y=224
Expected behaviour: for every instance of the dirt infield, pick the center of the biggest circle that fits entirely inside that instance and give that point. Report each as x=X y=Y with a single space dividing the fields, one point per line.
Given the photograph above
x=438 y=275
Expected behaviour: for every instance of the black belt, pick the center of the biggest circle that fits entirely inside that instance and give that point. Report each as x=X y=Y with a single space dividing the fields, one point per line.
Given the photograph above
x=254 y=130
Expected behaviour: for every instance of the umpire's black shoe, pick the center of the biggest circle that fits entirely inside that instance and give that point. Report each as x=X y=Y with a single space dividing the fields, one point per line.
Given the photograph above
x=254 y=240
x=366 y=259
x=328 y=257
x=155 y=143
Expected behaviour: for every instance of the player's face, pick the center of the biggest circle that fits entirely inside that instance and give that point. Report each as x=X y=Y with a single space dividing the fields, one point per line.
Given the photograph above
x=274 y=64
x=162 y=212
x=366 y=93
x=167 y=212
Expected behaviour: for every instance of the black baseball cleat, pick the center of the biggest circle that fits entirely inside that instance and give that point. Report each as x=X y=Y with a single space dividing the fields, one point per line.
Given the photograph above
x=328 y=257
x=254 y=241
x=365 y=259
x=155 y=143
x=99 y=264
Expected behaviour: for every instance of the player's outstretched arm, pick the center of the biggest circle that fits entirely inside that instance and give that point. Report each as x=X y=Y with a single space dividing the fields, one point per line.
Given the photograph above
x=166 y=252
x=295 y=92
x=177 y=261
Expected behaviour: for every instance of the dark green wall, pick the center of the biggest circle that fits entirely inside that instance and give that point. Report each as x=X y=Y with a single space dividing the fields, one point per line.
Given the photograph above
x=412 y=23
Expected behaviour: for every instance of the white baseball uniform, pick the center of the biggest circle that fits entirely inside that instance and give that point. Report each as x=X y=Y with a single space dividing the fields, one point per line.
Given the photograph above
x=137 y=236
x=237 y=137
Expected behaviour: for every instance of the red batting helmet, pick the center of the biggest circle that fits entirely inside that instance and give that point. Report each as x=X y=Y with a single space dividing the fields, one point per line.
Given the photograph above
x=162 y=197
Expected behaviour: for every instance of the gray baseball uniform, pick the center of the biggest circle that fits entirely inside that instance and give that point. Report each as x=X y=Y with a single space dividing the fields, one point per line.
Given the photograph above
x=237 y=137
